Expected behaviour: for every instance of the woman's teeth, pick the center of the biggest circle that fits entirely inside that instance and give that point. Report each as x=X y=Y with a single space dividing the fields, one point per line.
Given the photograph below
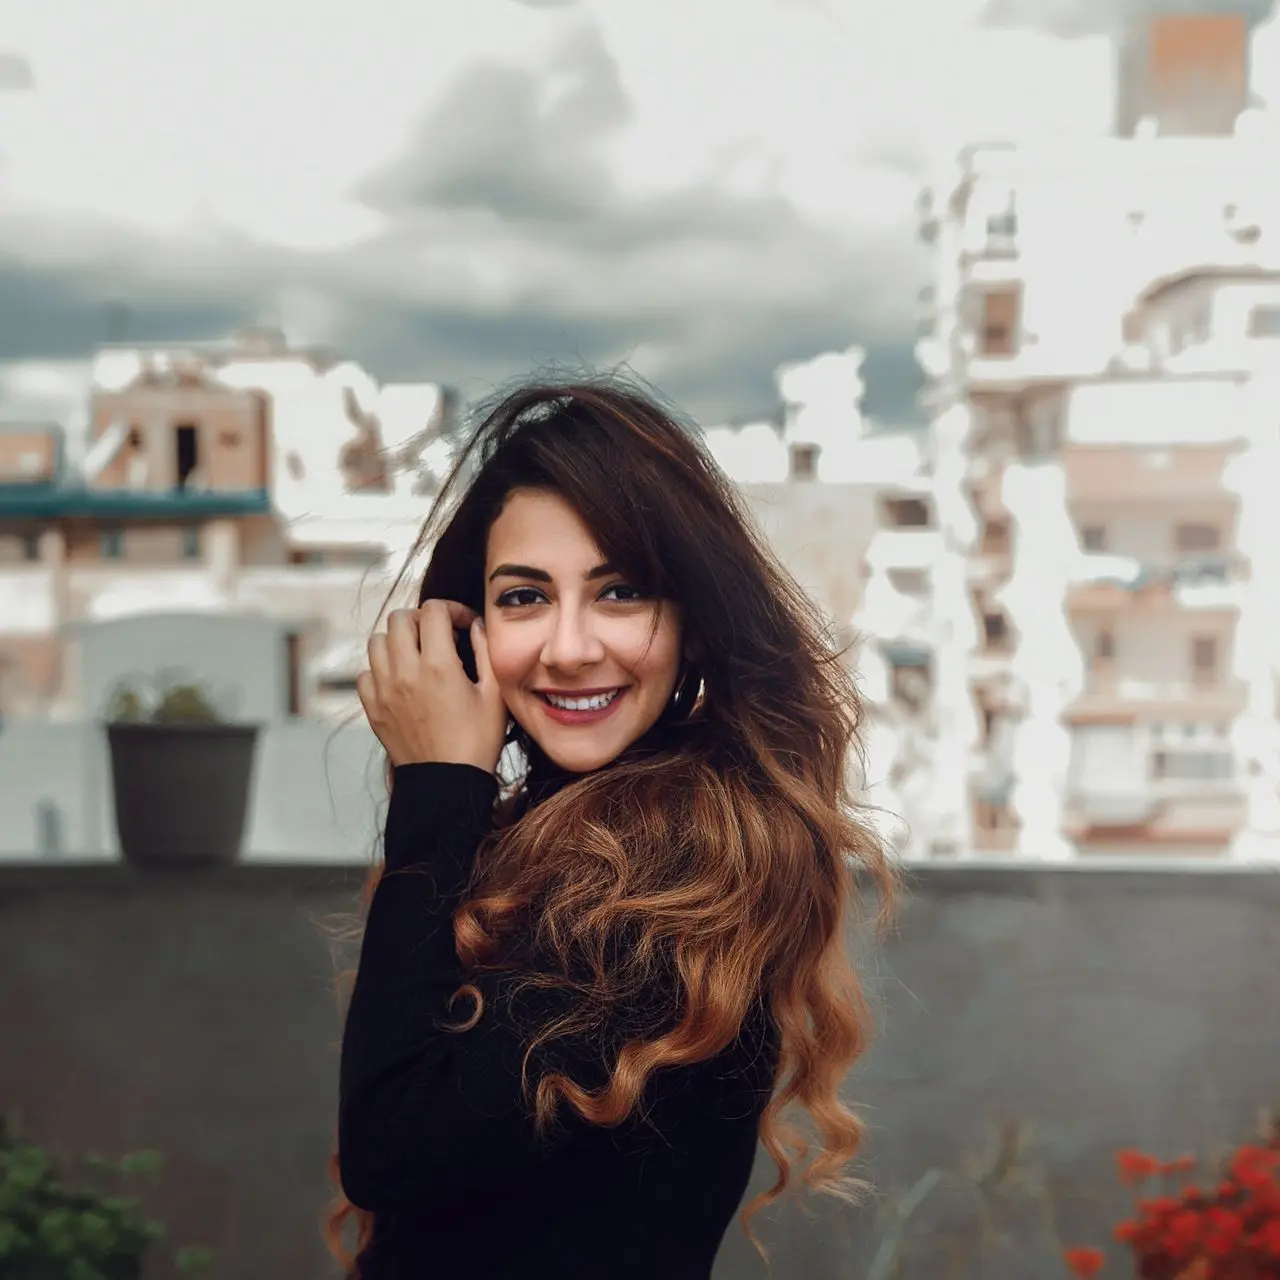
x=582 y=704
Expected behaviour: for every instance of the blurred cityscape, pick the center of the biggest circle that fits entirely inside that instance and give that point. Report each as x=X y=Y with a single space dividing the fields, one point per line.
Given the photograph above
x=1065 y=594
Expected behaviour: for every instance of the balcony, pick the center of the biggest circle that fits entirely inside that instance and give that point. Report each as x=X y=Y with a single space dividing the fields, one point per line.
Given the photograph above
x=1207 y=584
x=1170 y=413
x=55 y=502
x=1110 y=698
x=1088 y=809
x=117 y=588
x=1028 y=363
x=1207 y=815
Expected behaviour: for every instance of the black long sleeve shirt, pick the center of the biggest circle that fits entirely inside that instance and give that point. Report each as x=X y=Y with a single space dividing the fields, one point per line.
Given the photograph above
x=435 y=1136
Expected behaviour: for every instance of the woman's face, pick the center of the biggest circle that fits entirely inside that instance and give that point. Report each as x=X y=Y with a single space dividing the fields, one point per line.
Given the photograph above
x=560 y=621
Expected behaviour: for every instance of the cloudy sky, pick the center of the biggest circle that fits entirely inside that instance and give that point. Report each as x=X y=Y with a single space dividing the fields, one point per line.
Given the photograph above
x=465 y=192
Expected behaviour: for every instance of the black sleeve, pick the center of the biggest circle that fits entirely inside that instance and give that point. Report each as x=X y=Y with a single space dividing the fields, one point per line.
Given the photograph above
x=427 y=1115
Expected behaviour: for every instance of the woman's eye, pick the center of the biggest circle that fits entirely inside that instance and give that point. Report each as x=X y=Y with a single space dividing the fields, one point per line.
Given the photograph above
x=519 y=596
x=632 y=593
x=509 y=597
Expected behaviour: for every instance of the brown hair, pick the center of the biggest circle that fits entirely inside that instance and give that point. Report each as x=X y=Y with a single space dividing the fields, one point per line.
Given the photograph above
x=763 y=770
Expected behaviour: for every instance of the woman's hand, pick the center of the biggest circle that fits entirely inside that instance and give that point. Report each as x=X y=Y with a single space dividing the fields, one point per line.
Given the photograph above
x=418 y=698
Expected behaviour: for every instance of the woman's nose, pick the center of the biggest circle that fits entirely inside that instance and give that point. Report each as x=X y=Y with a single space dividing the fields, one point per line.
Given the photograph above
x=572 y=639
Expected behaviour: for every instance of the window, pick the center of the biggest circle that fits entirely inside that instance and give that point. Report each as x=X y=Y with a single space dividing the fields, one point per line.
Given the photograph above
x=995 y=538
x=910 y=684
x=1193 y=766
x=1093 y=537
x=1002 y=224
x=999 y=322
x=191 y=542
x=1197 y=537
x=996 y=629
x=188 y=452
x=1204 y=659
x=907 y=513
x=804 y=461
x=1264 y=322
x=293 y=673
x=910 y=582
x=111 y=544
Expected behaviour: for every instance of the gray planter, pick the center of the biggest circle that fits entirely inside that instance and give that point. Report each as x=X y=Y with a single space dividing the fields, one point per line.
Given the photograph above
x=181 y=791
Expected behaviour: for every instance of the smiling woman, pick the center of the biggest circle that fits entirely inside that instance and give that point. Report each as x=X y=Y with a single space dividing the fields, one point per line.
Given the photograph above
x=579 y=661
x=646 y=917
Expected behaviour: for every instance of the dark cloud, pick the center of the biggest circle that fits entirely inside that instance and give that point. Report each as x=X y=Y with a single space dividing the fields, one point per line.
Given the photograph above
x=62 y=313
x=703 y=291
x=486 y=149
x=699 y=291
x=1098 y=17
x=490 y=146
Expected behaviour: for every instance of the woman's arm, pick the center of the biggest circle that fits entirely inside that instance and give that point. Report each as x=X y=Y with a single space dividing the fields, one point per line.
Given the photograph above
x=428 y=1116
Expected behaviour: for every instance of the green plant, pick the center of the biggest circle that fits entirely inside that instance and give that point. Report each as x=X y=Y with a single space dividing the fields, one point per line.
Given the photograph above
x=1001 y=1197
x=988 y=1180
x=52 y=1230
x=163 y=700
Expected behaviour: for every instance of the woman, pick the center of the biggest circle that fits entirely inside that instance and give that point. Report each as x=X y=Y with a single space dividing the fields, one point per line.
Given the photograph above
x=645 y=930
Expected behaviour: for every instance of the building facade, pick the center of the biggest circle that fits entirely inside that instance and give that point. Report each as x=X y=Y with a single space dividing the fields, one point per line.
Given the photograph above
x=245 y=477
x=1104 y=396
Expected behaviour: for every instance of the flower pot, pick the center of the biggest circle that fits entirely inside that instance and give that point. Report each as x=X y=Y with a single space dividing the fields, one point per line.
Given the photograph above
x=181 y=791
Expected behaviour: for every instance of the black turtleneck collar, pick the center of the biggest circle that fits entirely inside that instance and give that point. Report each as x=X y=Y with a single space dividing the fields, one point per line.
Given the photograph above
x=545 y=777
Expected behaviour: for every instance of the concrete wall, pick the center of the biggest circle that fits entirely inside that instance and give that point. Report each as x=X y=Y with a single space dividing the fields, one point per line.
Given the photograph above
x=194 y=1013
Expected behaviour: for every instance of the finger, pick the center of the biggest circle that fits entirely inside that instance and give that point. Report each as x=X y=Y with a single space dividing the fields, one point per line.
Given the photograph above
x=402 y=641
x=366 y=692
x=379 y=662
x=437 y=621
x=459 y=614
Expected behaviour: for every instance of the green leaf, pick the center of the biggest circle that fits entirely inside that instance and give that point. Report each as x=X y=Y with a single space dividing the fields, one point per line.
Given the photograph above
x=142 y=1162
x=193 y=1258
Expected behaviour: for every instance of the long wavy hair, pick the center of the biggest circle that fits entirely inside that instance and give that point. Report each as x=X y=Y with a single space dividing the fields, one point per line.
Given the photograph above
x=733 y=858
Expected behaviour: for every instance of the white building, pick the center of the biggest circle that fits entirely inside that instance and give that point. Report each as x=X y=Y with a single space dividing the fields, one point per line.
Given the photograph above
x=1105 y=405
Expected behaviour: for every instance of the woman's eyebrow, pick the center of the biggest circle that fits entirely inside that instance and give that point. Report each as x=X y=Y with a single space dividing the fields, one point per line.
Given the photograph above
x=541 y=575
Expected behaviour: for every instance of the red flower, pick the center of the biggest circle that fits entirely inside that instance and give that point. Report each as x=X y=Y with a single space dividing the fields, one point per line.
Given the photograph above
x=1254 y=1167
x=1268 y=1239
x=1224 y=1229
x=1084 y=1262
x=1136 y=1166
